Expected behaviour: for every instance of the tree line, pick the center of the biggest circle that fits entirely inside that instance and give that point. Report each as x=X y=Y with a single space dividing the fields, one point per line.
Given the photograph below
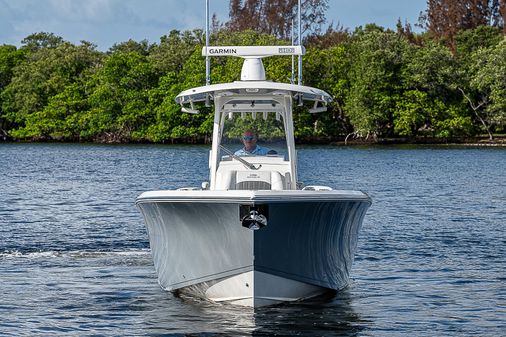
x=438 y=84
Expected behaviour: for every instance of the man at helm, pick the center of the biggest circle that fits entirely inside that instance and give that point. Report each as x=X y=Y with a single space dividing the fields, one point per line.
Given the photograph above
x=249 y=139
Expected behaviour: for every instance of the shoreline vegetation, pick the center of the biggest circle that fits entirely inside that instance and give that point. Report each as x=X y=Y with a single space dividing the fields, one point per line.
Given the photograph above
x=438 y=86
x=478 y=141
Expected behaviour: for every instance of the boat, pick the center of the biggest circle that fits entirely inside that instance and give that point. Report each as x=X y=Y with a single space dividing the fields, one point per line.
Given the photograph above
x=253 y=235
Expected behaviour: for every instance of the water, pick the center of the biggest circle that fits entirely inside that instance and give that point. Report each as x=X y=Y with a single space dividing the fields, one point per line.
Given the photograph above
x=75 y=260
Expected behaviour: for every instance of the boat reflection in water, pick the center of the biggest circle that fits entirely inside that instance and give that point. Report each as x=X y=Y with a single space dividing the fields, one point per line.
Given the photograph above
x=253 y=235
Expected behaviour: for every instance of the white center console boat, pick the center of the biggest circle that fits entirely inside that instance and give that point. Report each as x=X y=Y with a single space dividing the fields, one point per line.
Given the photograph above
x=253 y=235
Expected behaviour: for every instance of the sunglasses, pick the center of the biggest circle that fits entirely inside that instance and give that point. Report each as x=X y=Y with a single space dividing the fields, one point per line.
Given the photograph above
x=248 y=138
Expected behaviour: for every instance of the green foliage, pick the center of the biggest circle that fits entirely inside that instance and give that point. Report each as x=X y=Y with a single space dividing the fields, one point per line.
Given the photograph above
x=418 y=114
x=60 y=118
x=383 y=84
x=430 y=68
x=489 y=69
x=431 y=104
x=143 y=48
x=10 y=57
x=412 y=110
x=267 y=129
x=328 y=70
x=174 y=49
x=119 y=98
x=44 y=73
x=41 y=40
x=375 y=81
x=450 y=123
x=469 y=41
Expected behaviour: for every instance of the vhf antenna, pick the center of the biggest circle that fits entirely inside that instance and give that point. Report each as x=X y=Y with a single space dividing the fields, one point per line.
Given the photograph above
x=208 y=64
x=292 y=31
x=299 y=77
x=208 y=61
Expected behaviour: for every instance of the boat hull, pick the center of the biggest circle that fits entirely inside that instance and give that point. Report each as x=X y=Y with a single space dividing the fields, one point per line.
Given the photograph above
x=200 y=245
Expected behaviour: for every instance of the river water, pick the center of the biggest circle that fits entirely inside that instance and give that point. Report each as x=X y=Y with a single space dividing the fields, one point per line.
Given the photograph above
x=75 y=259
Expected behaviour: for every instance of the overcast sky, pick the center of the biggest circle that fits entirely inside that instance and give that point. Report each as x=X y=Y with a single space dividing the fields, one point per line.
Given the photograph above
x=105 y=22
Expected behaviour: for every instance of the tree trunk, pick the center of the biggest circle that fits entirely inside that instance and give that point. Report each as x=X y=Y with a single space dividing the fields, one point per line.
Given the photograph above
x=475 y=110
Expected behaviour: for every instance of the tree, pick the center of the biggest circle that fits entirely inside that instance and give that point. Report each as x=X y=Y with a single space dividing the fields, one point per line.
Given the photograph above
x=41 y=40
x=119 y=107
x=468 y=43
x=331 y=38
x=10 y=57
x=412 y=113
x=174 y=49
x=470 y=40
x=45 y=73
x=443 y=19
x=169 y=123
x=429 y=102
x=502 y=13
x=143 y=47
x=375 y=78
x=489 y=83
x=276 y=16
x=327 y=69
x=60 y=118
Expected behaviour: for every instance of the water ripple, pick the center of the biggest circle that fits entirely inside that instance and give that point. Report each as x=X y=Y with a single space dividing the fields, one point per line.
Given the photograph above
x=75 y=260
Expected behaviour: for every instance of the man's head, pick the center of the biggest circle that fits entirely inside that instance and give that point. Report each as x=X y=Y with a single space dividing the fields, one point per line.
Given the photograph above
x=249 y=139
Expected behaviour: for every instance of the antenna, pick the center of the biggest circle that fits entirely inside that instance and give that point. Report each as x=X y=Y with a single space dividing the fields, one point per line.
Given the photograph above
x=208 y=64
x=292 y=79
x=299 y=78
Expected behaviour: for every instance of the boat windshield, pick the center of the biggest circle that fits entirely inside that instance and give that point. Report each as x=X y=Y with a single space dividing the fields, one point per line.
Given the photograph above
x=250 y=135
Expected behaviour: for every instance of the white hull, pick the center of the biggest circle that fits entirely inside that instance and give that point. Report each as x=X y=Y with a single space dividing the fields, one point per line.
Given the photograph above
x=254 y=289
x=200 y=247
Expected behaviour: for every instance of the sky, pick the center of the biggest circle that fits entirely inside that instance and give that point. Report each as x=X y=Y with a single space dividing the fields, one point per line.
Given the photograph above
x=106 y=22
